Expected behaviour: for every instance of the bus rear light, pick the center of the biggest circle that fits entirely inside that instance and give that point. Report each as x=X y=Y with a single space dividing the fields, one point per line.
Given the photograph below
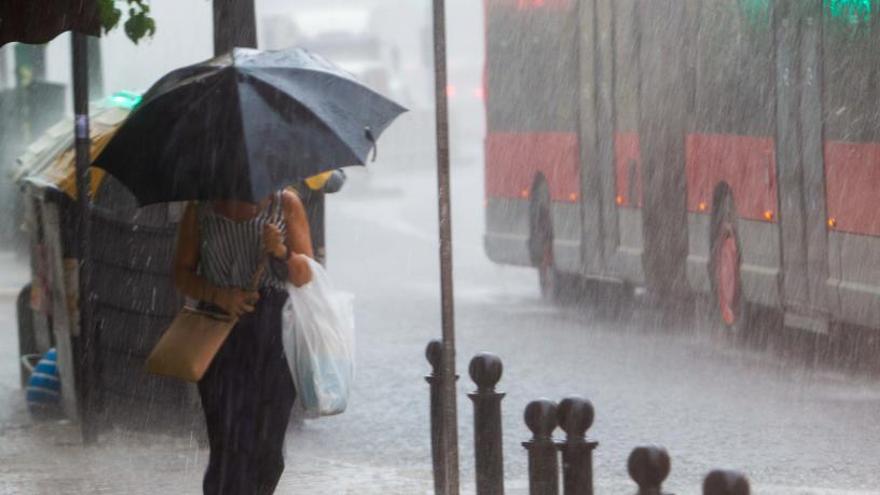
x=480 y=94
x=451 y=90
x=832 y=223
x=524 y=194
x=768 y=215
x=529 y=4
x=702 y=206
x=619 y=200
x=573 y=197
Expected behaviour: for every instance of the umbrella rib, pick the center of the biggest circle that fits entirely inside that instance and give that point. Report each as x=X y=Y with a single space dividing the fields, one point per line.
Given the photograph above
x=149 y=99
x=258 y=78
x=244 y=136
x=195 y=104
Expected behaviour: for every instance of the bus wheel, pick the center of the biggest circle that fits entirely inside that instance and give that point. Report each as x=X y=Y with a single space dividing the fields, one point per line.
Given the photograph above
x=724 y=271
x=548 y=277
x=541 y=242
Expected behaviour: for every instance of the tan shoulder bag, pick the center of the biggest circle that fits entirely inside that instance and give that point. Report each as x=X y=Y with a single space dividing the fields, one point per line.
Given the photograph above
x=189 y=345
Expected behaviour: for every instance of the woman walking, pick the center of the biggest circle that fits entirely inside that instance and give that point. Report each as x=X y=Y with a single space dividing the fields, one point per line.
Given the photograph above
x=247 y=393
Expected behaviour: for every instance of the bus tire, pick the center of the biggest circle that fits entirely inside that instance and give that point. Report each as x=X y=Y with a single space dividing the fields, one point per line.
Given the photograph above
x=541 y=242
x=729 y=306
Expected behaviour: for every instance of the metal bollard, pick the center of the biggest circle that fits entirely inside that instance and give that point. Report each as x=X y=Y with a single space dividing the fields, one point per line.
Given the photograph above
x=649 y=467
x=485 y=370
x=540 y=416
x=721 y=482
x=575 y=416
x=434 y=353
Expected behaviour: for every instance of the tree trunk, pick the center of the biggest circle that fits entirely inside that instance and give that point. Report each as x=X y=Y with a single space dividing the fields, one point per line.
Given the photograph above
x=235 y=25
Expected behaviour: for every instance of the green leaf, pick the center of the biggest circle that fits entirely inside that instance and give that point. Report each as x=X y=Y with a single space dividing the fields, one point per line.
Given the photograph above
x=108 y=14
x=139 y=23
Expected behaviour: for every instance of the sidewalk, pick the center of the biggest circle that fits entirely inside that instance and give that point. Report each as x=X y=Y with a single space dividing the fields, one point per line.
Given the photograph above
x=15 y=272
x=49 y=459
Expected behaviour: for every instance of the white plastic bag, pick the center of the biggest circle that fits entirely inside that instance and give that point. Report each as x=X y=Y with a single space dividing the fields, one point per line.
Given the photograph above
x=318 y=339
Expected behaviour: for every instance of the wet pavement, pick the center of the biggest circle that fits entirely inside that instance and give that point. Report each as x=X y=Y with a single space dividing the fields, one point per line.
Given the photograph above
x=793 y=429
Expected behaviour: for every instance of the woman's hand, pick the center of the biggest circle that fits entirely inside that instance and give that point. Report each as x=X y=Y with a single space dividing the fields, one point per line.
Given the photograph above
x=273 y=241
x=236 y=302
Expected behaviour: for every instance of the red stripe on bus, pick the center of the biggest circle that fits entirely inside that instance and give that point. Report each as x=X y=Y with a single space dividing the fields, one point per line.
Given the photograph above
x=746 y=163
x=628 y=166
x=513 y=160
x=852 y=186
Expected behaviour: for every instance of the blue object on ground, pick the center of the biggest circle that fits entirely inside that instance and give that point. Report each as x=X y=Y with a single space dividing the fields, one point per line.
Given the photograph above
x=44 y=387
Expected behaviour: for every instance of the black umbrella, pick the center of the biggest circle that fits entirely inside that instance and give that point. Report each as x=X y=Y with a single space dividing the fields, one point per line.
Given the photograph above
x=245 y=124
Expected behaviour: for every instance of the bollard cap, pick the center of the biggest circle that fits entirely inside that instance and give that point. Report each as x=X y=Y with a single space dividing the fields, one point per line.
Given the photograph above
x=575 y=415
x=434 y=353
x=649 y=467
x=721 y=482
x=540 y=416
x=485 y=370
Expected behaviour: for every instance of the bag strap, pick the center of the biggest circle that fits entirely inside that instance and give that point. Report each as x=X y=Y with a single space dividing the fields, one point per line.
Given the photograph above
x=258 y=275
x=274 y=208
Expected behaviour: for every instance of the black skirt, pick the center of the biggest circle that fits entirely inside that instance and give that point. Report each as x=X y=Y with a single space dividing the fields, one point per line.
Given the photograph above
x=247 y=395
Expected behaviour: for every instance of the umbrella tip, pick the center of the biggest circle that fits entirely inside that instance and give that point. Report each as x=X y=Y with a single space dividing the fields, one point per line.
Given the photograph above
x=368 y=132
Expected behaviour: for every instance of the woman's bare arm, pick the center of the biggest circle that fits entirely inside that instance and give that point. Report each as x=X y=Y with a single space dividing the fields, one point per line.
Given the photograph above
x=186 y=258
x=186 y=261
x=299 y=239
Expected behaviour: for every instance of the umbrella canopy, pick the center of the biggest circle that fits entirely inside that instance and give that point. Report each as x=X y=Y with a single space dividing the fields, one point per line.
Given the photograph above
x=243 y=125
x=38 y=21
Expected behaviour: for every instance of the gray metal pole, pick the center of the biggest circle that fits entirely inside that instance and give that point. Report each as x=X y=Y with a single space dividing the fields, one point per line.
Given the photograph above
x=4 y=71
x=449 y=443
x=87 y=376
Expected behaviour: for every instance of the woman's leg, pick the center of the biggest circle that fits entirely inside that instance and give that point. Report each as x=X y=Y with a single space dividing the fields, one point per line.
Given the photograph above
x=228 y=400
x=276 y=397
x=272 y=426
x=247 y=395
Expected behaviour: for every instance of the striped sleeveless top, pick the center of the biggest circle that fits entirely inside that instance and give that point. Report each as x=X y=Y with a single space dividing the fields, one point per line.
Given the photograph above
x=230 y=251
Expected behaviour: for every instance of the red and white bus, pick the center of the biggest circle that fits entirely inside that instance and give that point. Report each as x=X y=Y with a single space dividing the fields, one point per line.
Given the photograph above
x=730 y=148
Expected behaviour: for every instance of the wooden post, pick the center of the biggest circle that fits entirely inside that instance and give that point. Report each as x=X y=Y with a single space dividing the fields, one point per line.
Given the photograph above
x=720 y=482
x=575 y=417
x=649 y=467
x=485 y=371
x=540 y=417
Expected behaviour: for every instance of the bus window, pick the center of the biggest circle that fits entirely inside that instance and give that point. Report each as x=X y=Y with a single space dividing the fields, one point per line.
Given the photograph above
x=735 y=83
x=626 y=104
x=852 y=81
x=531 y=69
x=852 y=125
